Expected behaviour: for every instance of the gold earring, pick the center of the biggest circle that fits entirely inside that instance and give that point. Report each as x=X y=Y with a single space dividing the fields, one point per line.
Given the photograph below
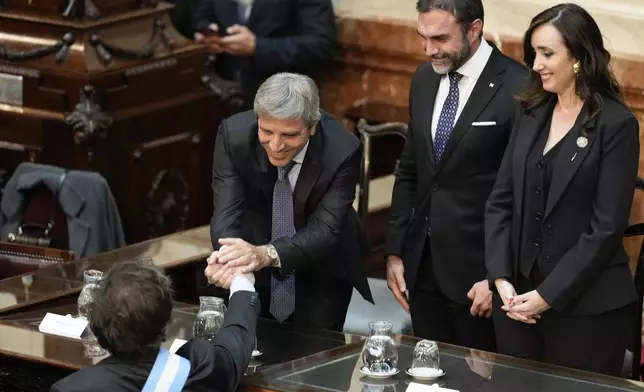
x=575 y=67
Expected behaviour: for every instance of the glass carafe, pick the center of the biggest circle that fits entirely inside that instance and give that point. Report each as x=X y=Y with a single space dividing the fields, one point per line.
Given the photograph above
x=86 y=298
x=210 y=318
x=380 y=354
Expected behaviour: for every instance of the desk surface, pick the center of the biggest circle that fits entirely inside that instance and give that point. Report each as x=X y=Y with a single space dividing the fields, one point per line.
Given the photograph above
x=55 y=281
x=466 y=370
x=312 y=361
x=21 y=339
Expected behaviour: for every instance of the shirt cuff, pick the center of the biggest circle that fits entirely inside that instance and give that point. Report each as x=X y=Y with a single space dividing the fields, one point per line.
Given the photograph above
x=241 y=283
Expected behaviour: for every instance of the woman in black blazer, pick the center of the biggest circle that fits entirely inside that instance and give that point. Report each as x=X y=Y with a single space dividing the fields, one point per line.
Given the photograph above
x=561 y=202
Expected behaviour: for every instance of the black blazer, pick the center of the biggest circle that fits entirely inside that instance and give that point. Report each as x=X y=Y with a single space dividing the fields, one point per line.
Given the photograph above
x=330 y=239
x=292 y=36
x=451 y=198
x=217 y=366
x=585 y=265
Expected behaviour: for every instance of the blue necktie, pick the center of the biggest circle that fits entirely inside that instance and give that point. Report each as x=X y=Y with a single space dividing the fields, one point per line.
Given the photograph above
x=447 y=116
x=282 y=287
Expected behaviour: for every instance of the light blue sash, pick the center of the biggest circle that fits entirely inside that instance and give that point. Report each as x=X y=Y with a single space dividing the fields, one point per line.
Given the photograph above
x=169 y=373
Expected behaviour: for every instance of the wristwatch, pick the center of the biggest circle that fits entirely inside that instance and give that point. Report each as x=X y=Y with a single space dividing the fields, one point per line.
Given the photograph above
x=273 y=257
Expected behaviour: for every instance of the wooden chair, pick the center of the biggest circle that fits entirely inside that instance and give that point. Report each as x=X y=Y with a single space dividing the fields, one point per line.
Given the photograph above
x=18 y=259
x=367 y=132
x=636 y=370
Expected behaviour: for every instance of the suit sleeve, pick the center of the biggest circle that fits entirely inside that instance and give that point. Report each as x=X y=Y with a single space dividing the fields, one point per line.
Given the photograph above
x=613 y=198
x=404 y=195
x=229 y=192
x=221 y=366
x=203 y=15
x=314 y=43
x=325 y=228
x=498 y=214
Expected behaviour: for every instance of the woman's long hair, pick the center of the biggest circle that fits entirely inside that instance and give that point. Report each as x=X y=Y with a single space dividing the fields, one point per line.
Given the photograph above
x=584 y=41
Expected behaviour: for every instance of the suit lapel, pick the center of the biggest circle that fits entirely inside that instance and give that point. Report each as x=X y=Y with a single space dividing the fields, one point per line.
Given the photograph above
x=226 y=12
x=426 y=113
x=256 y=6
x=531 y=124
x=484 y=90
x=570 y=158
x=308 y=176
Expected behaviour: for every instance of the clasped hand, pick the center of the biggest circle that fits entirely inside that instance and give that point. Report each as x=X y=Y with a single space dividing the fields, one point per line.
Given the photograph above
x=235 y=257
x=526 y=307
x=240 y=41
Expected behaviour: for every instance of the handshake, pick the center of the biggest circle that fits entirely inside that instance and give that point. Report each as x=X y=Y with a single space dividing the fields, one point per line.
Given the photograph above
x=235 y=257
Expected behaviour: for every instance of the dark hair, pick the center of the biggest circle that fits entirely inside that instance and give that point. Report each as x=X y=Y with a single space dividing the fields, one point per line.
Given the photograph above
x=584 y=41
x=465 y=11
x=132 y=308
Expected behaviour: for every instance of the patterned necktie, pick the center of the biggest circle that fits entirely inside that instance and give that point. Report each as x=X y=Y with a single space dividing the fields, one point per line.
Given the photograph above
x=282 y=287
x=447 y=116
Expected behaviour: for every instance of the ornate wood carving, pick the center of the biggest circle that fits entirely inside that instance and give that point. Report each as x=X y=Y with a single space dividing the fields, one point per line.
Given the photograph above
x=168 y=203
x=228 y=91
x=88 y=120
x=61 y=48
x=106 y=51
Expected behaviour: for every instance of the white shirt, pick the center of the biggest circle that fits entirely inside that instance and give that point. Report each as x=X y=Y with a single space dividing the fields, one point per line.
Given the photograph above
x=471 y=72
x=295 y=170
x=241 y=283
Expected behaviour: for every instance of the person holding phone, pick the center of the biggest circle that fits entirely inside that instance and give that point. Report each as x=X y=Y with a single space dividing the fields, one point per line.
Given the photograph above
x=256 y=39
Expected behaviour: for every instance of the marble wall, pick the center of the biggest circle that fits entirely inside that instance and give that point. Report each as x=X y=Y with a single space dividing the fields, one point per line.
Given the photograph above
x=381 y=50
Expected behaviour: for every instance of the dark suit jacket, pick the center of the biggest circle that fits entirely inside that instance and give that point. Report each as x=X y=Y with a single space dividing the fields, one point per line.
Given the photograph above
x=450 y=199
x=292 y=36
x=329 y=241
x=586 y=267
x=213 y=367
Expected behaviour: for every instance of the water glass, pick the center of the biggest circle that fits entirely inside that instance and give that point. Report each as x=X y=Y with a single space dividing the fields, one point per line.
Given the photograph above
x=85 y=302
x=210 y=318
x=380 y=354
x=426 y=357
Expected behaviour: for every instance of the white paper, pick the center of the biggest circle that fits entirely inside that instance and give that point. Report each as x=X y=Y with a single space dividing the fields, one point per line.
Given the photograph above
x=176 y=345
x=67 y=326
x=416 y=387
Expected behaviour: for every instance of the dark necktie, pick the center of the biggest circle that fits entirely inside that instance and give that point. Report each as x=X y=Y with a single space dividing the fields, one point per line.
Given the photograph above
x=282 y=287
x=447 y=117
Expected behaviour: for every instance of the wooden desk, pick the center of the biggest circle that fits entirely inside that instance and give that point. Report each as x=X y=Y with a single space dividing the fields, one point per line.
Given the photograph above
x=292 y=361
x=338 y=370
x=180 y=254
x=31 y=360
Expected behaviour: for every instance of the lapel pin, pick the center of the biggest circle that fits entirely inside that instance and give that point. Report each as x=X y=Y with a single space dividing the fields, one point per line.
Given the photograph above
x=582 y=142
x=491 y=84
x=573 y=157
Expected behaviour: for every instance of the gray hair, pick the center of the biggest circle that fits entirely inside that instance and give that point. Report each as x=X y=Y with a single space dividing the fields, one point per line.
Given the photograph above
x=132 y=308
x=289 y=96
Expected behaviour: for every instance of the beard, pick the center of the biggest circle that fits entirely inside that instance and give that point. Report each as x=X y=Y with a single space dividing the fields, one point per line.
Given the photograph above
x=454 y=60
